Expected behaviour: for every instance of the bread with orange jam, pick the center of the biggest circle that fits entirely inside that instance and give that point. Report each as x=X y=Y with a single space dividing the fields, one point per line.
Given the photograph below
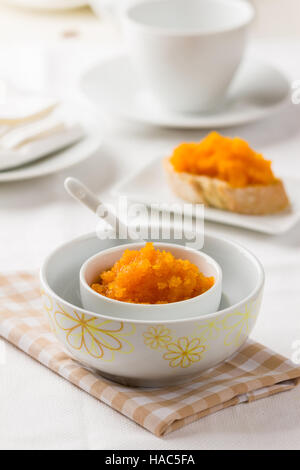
x=226 y=174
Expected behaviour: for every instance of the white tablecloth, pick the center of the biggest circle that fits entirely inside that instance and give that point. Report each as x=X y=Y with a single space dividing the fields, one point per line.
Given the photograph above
x=41 y=410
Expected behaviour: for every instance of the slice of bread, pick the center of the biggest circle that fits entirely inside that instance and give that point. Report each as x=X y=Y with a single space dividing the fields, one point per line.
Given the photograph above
x=252 y=200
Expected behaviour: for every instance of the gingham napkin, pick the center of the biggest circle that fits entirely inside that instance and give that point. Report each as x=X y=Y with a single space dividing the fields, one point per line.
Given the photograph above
x=254 y=372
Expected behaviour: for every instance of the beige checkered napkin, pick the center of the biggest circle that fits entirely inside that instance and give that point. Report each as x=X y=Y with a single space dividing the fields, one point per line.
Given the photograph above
x=255 y=372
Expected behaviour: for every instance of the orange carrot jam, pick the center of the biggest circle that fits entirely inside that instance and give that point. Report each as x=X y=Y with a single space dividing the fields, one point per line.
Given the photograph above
x=229 y=159
x=151 y=276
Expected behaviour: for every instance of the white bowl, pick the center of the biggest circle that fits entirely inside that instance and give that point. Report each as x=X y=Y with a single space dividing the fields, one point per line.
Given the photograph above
x=151 y=353
x=203 y=304
x=187 y=51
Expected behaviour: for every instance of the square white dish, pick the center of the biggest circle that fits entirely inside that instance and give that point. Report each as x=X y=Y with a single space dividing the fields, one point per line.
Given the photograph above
x=149 y=186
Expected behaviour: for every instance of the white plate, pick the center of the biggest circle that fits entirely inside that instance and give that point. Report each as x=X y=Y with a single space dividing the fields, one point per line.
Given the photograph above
x=58 y=162
x=41 y=148
x=49 y=4
x=149 y=186
x=257 y=90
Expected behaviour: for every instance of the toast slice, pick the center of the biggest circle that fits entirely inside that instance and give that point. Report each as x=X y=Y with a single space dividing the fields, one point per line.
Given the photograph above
x=252 y=200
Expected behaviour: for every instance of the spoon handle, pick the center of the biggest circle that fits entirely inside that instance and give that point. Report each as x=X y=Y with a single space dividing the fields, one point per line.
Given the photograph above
x=81 y=193
x=85 y=196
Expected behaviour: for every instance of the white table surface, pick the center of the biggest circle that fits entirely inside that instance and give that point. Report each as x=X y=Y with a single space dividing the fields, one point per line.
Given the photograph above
x=41 y=410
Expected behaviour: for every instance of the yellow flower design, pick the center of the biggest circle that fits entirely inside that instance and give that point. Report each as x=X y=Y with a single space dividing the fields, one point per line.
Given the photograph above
x=185 y=352
x=48 y=307
x=94 y=336
x=157 y=337
x=208 y=331
x=238 y=325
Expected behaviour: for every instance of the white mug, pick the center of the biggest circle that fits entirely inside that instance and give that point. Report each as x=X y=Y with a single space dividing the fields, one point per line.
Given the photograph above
x=186 y=52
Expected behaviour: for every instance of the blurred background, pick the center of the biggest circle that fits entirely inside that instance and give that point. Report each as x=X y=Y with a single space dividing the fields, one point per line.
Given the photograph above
x=91 y=21
x=45 y=47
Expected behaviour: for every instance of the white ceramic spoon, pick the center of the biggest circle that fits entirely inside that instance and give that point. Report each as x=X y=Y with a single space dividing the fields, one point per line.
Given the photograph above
x=85 y=196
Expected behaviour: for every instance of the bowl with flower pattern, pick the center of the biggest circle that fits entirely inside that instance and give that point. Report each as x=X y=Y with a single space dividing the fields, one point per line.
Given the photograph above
x=151 y=352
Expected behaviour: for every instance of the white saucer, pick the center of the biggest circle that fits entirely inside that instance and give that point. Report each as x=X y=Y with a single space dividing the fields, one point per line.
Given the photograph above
x=48 y=4
x=149 y=186
x=55 y=163
x=67 y=157
x=257 y=90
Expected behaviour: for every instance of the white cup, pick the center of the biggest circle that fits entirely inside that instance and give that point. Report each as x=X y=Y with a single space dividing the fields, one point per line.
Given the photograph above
x=203 y=304
x=186 y=52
